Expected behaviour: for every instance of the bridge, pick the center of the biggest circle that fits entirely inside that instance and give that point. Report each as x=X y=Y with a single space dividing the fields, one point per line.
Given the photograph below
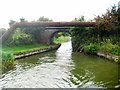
x=45 y=36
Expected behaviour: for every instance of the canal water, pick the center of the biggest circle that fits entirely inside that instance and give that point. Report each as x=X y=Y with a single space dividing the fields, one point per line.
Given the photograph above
x=62 y=69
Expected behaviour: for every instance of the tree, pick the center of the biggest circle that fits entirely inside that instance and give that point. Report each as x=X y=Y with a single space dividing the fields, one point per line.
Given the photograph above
x=20 y=38
x=44 y=19
x=11 y=22
x=23 y=20
x=108 y=25
x=109 y=20
x=80 y=19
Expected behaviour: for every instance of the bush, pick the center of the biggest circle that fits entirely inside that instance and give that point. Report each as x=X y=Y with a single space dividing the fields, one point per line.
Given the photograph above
x=115 y=50
x=106 y=46
x=61 y=39
x=92 y=48
x=7 y=56
x=19 y=37
x=7 y=61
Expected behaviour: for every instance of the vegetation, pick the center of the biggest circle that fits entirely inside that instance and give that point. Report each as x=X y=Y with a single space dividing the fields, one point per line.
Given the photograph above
x=108 y=48
x=92 y=48
x=61 y=37
x=44 y=19
x=19 y=37
x=20 y=41
x=8 y=53
x=7 y=61
x=103 y=38
x=24 y=48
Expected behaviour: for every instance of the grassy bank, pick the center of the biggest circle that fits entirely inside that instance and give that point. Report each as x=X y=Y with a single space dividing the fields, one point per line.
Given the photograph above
x=24 y=48
x=8 y=53
x=61 y=39
x=105 y=49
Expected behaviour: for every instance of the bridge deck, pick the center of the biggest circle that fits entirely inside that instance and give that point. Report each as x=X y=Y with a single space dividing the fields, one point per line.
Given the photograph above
x=54 y=24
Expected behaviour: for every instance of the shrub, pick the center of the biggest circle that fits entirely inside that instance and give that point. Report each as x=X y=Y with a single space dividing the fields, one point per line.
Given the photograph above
x=92 y=48
x=115 y=50
x=19 y=37
x=7 y=56
x=106 y=46
x=7 y=62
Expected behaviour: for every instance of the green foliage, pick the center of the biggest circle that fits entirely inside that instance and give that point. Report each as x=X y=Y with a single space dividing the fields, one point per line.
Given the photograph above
x=61 y=39
x=24 y=48
x=44 y=19
x=34 y=32
x=80 y=19
x=20 y=38
x=76 y=34
x=107 y=47
x=108 y=25
x=7 y=61
x=7 y=57
x=92 y=48
x=109 y=20
x=83 y=35
x=116 y=49
x=106 y=34
x=9 y=52
x=76 y=39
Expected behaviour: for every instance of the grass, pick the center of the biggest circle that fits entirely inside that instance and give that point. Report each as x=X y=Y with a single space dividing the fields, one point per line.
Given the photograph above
x=24 y=48
x=61 y=39
x=8 y=53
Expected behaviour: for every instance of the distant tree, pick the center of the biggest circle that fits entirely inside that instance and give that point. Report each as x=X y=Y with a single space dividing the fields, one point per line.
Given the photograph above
x=23 y=20
x=80 y=19
x=11 y=22
x=44 y=19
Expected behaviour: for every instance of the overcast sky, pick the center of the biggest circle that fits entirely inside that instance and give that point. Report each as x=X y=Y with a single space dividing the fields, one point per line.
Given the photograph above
x=57 y=10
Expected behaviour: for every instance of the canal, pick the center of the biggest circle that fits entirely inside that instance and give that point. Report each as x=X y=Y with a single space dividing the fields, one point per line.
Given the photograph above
x=62 y=69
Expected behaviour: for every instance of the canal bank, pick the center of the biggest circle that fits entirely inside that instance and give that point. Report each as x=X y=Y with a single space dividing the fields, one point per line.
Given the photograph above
x=110 y=57
x=62 y=69
x=10 y=54
x=34 y=52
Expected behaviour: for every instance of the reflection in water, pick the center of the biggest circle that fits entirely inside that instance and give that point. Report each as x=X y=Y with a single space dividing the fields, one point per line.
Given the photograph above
x=94 y=71
x=62 y=68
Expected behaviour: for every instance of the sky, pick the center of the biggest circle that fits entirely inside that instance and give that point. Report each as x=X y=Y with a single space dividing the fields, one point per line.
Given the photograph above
x=57 y=10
